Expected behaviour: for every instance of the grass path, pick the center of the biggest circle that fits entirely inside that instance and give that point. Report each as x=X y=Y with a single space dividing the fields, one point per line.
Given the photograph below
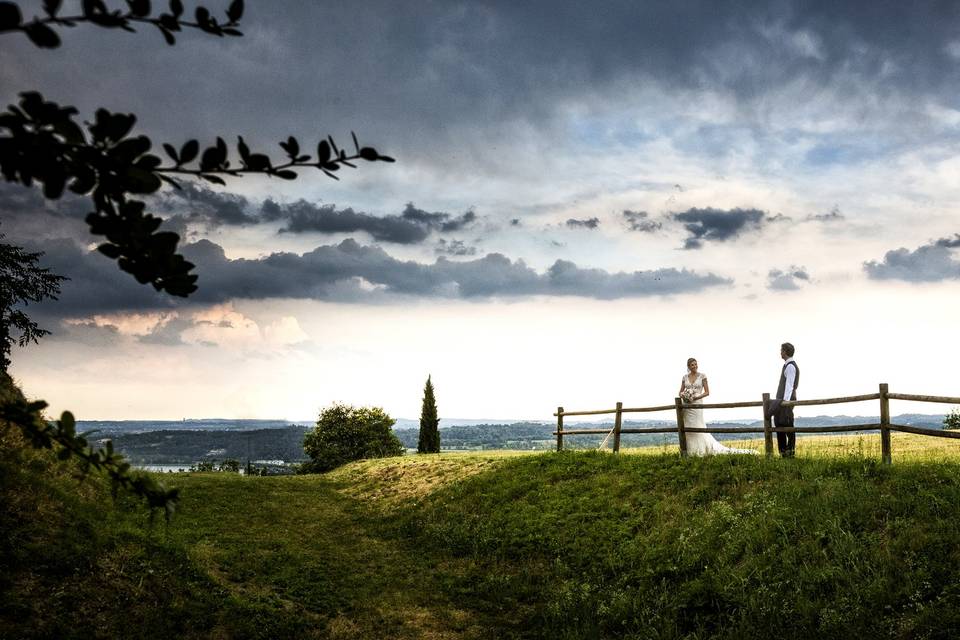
x=299 y=550
x=509 y=544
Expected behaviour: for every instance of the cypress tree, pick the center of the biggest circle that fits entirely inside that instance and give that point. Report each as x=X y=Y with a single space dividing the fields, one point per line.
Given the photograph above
x=429 y=441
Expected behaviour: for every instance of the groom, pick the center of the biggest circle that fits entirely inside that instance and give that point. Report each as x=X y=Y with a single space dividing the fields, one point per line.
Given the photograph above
x=786 y=390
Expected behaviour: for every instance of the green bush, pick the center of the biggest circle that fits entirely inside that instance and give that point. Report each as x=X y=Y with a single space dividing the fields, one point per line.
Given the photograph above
x=345 y=433
x=952 y=419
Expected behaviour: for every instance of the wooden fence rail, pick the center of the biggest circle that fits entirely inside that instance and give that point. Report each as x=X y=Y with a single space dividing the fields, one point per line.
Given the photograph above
x=884 y=425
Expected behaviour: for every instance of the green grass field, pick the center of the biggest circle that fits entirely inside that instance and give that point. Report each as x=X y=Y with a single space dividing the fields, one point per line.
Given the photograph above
x=505 y=544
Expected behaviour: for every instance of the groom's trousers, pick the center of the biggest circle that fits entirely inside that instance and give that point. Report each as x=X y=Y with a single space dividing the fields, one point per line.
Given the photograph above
x=786 y=442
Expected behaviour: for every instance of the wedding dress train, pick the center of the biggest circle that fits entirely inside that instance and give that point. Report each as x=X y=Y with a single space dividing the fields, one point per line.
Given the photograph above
x=702 y=444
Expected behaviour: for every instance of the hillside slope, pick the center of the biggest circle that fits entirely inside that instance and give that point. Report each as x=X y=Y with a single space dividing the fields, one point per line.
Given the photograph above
x=569 y=545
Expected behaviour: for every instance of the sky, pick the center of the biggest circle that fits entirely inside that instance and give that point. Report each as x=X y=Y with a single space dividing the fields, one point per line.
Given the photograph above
x=584 y=196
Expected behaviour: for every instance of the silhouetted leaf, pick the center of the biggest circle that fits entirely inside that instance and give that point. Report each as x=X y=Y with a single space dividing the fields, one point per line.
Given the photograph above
x=84 y=180
x=52 y=6
x=202 y=15
x=356 y=144
x=291 y=146
x=139 y=8
x=70 y=131
x=189 y=151
x=42 y=35
x=235 y=11
x=172 y=152
x=169 y=22
x=243 y=149
x=369 y=153
x=168 y=36
x=137 y=180
x=286 y=174
x=170 y=181
x=213 y=179
x=130 y=149
x=176 y=8
x=54 y=183
x=10 y=17
x=258 y=162
x=323 y=152
x=148 y=162
x=109 y=250
x=232 y=32
x=112 y=126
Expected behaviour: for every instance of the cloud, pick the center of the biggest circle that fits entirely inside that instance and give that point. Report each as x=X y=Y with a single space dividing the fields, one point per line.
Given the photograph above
x=199 y=204
x=345 y=272
x=950 y=243
x=302 y=217
x=833 y=216
x=590 y=223
x=787 y=280
x=454 y=248
x=931 y=262
x=717 y=225
x=438 y=221
x=640 y=221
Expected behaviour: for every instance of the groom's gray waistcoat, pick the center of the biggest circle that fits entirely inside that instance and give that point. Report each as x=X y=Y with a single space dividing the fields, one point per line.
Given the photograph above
x=783 y=382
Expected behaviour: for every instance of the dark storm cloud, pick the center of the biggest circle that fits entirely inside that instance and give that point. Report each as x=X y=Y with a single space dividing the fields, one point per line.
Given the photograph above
x=408 y=75
x=787 y=280
x=717 y=225
x=437 y=220
x=589 y=223
x=345 y=271
x=200 y=205
x=316 y=274
x=197 y=203
x=931 y=262
x=305 y=217
x=640 y=221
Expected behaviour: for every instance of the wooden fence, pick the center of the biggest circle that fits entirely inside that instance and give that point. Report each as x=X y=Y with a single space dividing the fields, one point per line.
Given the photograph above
x=885 y=426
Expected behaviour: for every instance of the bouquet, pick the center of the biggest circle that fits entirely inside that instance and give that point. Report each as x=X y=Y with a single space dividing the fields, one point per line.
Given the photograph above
x=688 y=394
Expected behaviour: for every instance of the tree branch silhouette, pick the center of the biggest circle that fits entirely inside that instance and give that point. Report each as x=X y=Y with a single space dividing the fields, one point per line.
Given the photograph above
x=41 y=142
x=41 y=32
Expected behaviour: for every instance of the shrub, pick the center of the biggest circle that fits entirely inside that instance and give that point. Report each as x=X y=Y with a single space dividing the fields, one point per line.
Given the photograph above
x=345 y=433
x=952 y=419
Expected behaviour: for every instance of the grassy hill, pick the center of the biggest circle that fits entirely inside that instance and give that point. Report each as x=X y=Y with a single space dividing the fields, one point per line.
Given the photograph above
x=545 y=545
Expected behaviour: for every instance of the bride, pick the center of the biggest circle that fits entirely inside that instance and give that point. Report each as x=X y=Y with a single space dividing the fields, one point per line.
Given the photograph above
x=693 y=389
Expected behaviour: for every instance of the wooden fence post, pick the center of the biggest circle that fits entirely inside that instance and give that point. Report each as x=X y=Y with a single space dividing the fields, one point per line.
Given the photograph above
x=617 y=423
x=681 y=434
x=559 y=428
x=767 y=427
x=885 y=424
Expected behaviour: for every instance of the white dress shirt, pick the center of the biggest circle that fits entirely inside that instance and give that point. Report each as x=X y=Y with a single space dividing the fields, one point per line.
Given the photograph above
x=791 y=375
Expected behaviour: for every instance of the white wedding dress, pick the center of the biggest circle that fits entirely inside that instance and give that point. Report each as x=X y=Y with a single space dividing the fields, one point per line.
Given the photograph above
x=701 y=444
